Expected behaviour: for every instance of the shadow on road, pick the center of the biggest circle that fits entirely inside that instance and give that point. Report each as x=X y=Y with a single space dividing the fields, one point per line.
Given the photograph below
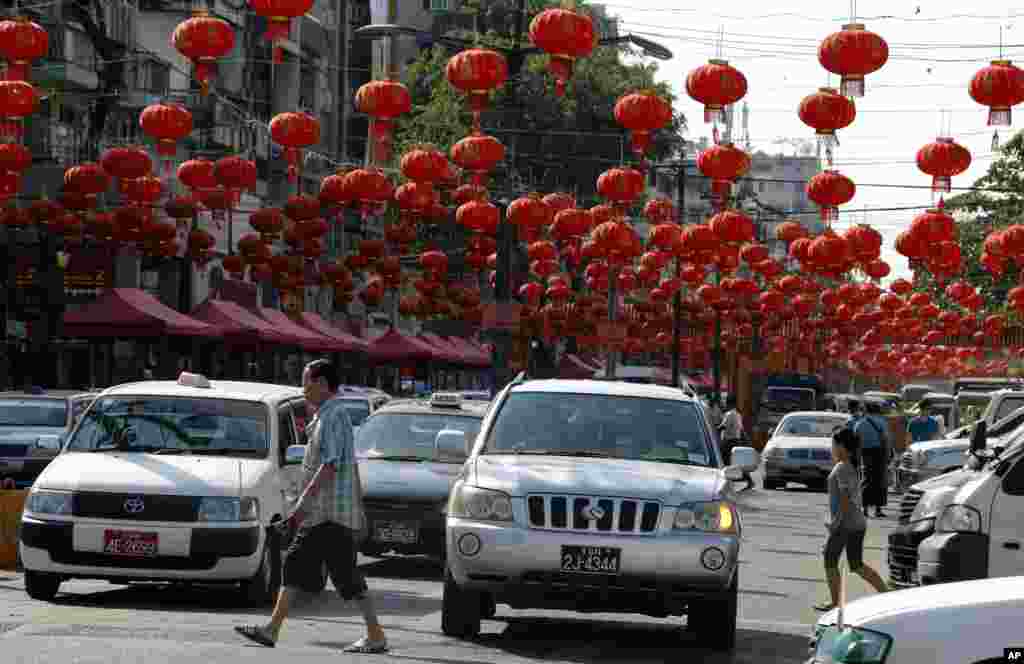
x=415 y=568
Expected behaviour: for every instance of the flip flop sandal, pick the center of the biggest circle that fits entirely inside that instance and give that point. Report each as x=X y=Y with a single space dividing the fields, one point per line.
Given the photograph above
x=823 y=607
x=256 y=634
x=367 y=647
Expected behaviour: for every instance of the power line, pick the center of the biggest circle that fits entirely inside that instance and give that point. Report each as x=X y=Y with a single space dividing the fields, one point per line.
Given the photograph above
x=817 y=19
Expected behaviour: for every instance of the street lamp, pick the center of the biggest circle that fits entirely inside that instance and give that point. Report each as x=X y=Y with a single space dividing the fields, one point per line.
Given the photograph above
x=516 y=57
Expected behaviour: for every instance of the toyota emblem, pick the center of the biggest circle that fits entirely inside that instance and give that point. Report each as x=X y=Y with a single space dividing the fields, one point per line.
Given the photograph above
x=134 y=505
x=593 y=513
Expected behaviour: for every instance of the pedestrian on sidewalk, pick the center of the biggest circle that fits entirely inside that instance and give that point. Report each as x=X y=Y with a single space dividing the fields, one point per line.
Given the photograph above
x=922 y=428
x=329 y=515
x=732 y=435
x=871 y=429
x=846 y=524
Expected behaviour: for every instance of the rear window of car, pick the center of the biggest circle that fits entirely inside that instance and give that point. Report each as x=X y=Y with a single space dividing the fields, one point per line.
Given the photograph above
x=33 y=412
x=810 y=426
x=619 y=427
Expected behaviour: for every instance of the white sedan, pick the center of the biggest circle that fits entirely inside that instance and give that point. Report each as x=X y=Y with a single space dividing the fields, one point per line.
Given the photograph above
x=970 y=622
x=800 y=449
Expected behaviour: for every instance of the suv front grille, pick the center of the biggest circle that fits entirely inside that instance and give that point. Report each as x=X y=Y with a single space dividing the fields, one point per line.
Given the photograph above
x=154 y=508
x=909 y=502
x=621 y=515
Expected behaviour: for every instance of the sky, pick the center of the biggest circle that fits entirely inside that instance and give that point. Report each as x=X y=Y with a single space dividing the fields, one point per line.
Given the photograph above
x=935 y=48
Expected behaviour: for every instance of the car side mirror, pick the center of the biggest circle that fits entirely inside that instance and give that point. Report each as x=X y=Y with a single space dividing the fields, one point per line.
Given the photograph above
x=294 y=455
x=451 y=445
x=979 y=436
x=744 y=459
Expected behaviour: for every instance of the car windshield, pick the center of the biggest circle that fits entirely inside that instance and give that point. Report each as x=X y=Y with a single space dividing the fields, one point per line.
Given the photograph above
x=788 y=399
x=358 y=410
x=33 y=413
x=601 y=426
x=810 y=426
x=409 y=435
x=169 y=425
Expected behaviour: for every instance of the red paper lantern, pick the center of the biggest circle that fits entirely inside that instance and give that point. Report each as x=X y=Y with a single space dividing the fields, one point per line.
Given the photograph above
x=370 y=187
x=21 y=42
x=827 y=111
x=478 y=216
x=384 y=101
x=621 y=185
x=86 y=179
x=424 y=164
x=529 y=213
x=660 y=211
x=716 y=85
x=732 y=226
x=723 y=164
x=168 y=124
x=789 y=231
x=934 y=226
x=142 y=191
x=268 y=222
x=942 y=159
x=333 y=190
x=14 y=158
x=235 y=173
x=126 y=163
x=302 y=208
x=476 y=72
x=565 y=36
x=197 y=174
x=414 y=196
x=18 y=100
x=294 y=131
x=202 y=39
x=642 y=113
x=853 y=53
x=1000 y=86
x=571 y=223
x=478 y=154
x=279 y=15
x=830 y=189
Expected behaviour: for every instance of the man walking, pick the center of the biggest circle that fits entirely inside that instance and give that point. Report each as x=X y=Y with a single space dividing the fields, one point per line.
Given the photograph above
x=732 y=435
x=328 y=516
x=874 y=446
x=922 y=427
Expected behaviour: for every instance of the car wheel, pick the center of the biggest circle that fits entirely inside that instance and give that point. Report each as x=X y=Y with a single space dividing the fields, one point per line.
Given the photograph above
x=262 y=588
x=460 y=610
x=41 y=585
x=714 y=621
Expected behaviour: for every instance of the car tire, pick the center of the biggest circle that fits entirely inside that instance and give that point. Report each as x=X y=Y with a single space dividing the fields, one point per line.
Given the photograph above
x=262 y=588
x=42 y=586
x=460 y=610
x=714 y=621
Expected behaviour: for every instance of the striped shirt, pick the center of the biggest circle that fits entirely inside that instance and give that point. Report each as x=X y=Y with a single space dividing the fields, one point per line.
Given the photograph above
x=340 y=497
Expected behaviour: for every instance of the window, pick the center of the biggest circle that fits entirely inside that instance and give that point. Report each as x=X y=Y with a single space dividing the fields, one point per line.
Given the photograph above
x=435 y=5
x=1013 y=483
x=599 y=425
x=299 y=415
x=408 y=434
x=33 y=413
x=810 y=426
x=163 y=425
x=285 y=430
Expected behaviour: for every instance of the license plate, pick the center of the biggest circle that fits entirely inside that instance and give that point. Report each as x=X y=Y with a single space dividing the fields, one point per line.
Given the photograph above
x=591 y=559
x=397 y=532
x=129 y=543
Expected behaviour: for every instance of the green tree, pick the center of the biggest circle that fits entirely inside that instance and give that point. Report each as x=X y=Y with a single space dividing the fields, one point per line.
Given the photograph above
x=995 y=202
x=570 y=139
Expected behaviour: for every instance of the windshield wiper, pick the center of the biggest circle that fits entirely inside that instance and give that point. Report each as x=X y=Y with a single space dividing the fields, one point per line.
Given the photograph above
x=682 y=462
x=566 y=453
x=395 y=457
x=125 y=448
x=228 y=451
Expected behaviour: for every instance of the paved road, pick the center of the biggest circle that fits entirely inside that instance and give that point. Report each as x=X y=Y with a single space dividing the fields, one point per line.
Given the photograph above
x=781 y=578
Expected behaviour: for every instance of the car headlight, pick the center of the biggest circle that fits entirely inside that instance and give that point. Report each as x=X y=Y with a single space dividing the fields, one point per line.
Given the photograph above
x=50 y=502
x=930 y=505
x=716 y=516
x=959 y=519
x=229 y=509
x=482 y=504
x=849 y=645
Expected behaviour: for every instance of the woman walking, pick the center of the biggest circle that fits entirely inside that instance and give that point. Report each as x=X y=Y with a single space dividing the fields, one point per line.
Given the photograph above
x=846 y=524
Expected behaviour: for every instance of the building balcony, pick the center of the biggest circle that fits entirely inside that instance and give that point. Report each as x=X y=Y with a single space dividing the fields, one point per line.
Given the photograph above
x=53 y=142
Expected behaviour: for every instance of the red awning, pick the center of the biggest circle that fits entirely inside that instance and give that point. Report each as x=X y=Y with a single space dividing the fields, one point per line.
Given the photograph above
x=236 y=321
x=316 y=323
x=131 y=312
x=393 y=346
x=453 y=353
x=475 y=355
x=296 y=334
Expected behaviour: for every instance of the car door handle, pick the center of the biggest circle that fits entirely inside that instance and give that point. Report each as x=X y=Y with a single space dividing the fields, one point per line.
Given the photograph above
x=1012 y=545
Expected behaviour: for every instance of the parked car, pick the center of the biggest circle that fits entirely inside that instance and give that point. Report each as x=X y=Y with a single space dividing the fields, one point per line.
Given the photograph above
x=961 y=623
x=166 y=481
x=33 y=428
x=595 y=495
x=800 y=449
x=407 y=471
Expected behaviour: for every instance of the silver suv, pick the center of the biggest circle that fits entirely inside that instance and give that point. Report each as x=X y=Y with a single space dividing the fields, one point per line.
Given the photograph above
x=595 y=496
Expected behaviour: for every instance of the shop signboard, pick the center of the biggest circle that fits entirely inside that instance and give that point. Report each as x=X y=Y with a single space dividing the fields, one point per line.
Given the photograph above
x=88 y=273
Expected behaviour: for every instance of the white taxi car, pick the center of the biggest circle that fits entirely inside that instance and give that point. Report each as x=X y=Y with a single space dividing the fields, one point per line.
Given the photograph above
x=167 y=481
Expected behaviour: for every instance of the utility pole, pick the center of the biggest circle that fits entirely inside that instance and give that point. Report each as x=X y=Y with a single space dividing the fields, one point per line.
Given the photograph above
x=344 y=33
x=677 y=299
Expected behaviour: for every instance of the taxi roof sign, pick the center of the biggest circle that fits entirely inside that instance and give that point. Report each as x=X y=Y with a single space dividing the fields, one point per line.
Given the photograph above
x=446 y=400
x=187 y=379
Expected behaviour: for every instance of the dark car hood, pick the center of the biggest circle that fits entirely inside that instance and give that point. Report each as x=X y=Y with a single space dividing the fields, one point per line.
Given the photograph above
x=409 y=480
